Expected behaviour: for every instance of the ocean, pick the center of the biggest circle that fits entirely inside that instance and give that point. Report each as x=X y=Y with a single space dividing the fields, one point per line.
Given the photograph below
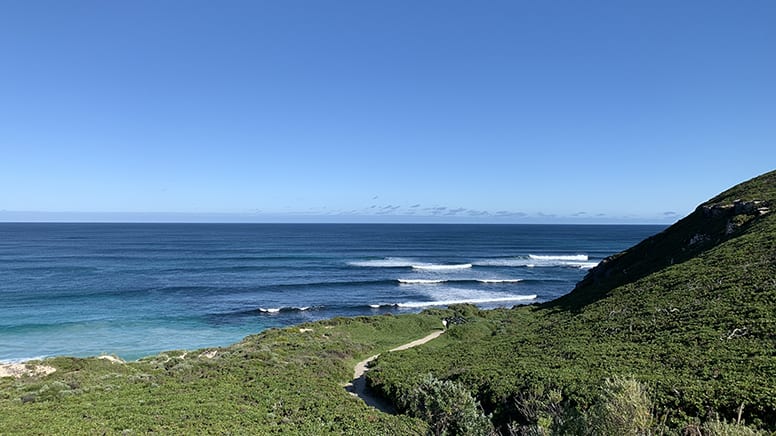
x=134 y=290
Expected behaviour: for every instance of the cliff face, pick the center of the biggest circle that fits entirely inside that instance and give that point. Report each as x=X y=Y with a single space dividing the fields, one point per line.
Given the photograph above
x=726 y=216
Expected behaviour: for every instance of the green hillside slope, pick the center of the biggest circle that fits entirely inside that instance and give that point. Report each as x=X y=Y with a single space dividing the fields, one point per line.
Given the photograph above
x=724 y=217
x=689 y=313
x=281 y=381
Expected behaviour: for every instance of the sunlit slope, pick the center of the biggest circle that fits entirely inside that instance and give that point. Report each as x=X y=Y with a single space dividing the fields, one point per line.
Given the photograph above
x=690 y=312
x=727 y=216
x=282 y=381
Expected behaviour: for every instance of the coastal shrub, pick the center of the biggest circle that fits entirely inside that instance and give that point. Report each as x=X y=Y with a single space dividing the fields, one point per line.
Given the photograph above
x=281 y=381
x=447 y=407
x=717 y=427
x=534 y=404
x=623 y=409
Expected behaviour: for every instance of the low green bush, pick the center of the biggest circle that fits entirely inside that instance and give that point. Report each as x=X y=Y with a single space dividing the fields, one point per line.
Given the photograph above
x=281 y=381
x=447 y=407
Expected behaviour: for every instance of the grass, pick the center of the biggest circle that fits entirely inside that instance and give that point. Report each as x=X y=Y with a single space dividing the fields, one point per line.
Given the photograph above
x=284 y=381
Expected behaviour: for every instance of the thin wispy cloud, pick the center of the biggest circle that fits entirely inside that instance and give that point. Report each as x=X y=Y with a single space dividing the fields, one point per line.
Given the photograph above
x=507 y=213
x=389 y=209
x=452 y=212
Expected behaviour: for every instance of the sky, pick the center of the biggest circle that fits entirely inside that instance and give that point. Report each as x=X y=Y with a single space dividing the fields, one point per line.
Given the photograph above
x=367 y=111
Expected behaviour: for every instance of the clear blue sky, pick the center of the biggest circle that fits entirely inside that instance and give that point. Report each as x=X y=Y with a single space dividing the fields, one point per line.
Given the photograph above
x=498 y=111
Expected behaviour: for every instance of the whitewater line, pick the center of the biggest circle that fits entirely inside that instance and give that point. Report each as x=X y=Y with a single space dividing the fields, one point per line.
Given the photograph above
x=357 y=386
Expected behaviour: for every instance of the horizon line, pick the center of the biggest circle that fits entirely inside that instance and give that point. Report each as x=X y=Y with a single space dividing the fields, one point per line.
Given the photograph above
x=614 y=223
x=9 y=216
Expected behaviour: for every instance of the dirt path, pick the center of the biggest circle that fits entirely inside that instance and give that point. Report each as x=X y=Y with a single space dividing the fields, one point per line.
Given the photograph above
x=357 y=387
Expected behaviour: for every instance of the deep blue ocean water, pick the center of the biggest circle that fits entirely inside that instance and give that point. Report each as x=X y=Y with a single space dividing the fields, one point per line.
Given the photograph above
x=138 y=289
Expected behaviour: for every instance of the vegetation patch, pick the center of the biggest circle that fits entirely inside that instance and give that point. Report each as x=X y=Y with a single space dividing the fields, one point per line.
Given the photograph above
x=281 y=381
x=691 y=320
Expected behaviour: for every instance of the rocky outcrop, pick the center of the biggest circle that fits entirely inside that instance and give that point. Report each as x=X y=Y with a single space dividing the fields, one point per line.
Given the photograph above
x=738 y=207
x=738 y=214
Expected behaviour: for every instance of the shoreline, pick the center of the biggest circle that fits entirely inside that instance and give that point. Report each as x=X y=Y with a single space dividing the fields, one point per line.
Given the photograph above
x=410 y=309
x=252 y=279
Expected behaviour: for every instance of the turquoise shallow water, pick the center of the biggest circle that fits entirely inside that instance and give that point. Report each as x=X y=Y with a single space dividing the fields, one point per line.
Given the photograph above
x=137 y=289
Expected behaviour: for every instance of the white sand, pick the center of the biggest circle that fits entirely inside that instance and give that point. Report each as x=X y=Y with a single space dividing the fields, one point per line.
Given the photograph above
x=112 y=359
x=209 y=354
x=18 y=370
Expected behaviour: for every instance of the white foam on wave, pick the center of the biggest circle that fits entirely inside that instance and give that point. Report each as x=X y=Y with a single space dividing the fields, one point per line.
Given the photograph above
x=378 y=306
x=512 y=261
x=388 y=262
x=573 y=257
x=534 y=261
x=442 y=295
x=438 y=267
x=20 y=360
x=445 y=295
x=416 y=304
x=500 y=280
x=583 y=265
x=269 y=310
x=283 y=309
x=438 y=281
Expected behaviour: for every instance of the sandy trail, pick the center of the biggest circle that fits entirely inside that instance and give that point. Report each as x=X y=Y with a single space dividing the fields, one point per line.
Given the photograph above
x=357 y=386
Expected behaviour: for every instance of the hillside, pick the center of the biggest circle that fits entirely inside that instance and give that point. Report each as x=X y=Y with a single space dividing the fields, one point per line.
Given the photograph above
x=689 y=314
x=281 y=381
x=724 y=217
x=683 y=323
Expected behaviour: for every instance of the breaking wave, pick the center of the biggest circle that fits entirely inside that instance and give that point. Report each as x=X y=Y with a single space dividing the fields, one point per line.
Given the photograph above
x=283 y=309
x=438 y=281
x=20 y=360
x=438 y=267
x=388 y=262
x=534 y=261
x=416 y=304
x=583 y=265
x=511 y=261
x=400 y=262
x=573 y=257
